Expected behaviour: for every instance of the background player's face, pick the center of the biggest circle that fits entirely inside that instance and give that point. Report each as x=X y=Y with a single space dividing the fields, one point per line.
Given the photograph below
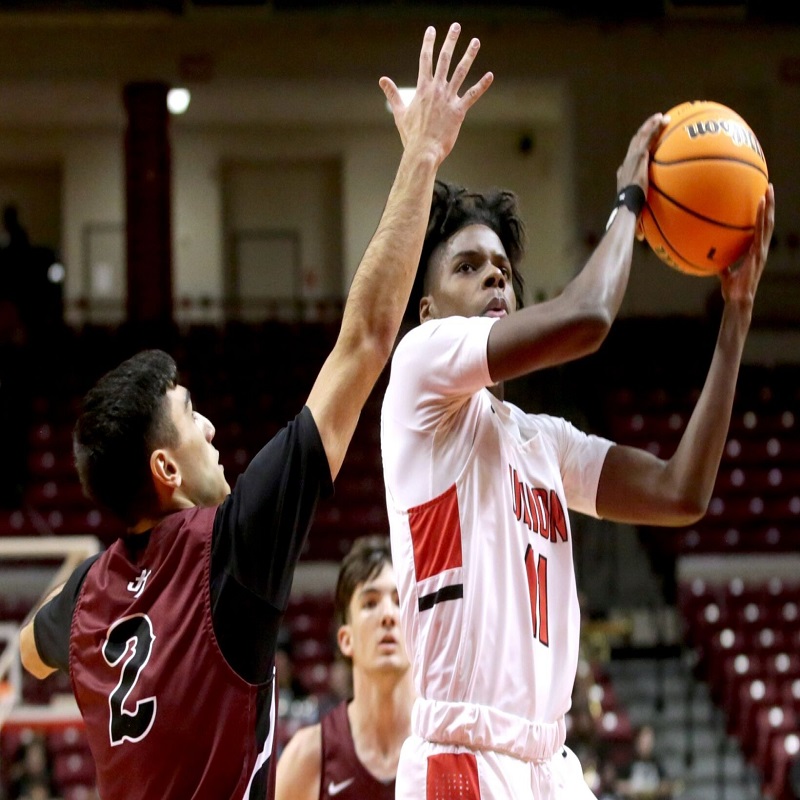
x=371 y=637
x=469 y=275
x=202 y=476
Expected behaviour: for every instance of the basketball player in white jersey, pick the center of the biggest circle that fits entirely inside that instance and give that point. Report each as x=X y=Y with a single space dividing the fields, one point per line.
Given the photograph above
x=478 y=491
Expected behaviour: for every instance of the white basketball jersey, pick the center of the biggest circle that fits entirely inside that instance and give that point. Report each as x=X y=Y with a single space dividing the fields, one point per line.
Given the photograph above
x=477 y=495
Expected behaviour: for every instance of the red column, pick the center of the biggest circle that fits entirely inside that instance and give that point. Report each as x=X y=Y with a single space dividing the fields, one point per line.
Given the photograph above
x=148 y=195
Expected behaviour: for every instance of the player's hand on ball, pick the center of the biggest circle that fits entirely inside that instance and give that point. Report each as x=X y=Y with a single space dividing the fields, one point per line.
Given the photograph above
x=740 y=282
x=634 y=168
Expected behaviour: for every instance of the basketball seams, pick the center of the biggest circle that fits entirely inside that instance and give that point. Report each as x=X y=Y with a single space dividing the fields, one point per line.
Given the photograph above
x=675 y=254
x=696 y=215
x=659 y=163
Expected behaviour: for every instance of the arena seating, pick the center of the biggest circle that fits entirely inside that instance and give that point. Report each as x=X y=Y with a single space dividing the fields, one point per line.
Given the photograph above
x=747 y=641
x=249 y=379
x=744 y=632
x=756 y=503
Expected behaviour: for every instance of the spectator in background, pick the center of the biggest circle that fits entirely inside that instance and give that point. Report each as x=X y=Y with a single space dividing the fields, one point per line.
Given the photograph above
x=38 y=789
x=290 y=687
x=15 y=406
x=31 y=772
x=30 y=280
x=15 y=263
x=15 y=311
x=607 y=781
x=644 y=777
x=296 y=705
x=14 y=240
x=353 y=752
x=582 y=737
x=794 y=778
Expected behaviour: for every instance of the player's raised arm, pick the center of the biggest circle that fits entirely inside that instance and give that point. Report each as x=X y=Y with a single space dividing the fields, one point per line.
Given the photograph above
x=576 y=322
x=428 y=128
x=638 y=488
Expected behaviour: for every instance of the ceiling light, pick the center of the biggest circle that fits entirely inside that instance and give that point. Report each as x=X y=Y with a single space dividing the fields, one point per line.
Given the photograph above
x=178 y=100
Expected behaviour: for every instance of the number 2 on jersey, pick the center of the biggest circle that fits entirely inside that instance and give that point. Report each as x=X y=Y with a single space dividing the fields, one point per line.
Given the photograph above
x=537 y=587
x=132 y=637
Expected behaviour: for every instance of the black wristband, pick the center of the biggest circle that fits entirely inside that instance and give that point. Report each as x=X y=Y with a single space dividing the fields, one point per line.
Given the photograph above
x=631 y=197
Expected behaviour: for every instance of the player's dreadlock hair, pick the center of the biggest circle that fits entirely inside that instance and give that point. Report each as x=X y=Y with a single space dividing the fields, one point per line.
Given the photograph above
x=453 y=208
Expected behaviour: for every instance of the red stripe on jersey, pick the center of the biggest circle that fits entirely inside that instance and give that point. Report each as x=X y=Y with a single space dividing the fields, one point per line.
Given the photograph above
x=452 y=776
x=558 y=519
x=436 y=535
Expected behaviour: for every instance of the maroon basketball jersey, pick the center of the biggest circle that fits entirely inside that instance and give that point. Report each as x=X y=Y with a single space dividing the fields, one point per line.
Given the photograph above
x=343 y=775
x=142 y=680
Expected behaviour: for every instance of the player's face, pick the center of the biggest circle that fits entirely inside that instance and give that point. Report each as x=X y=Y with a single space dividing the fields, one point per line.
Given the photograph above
x=470 y=276
x=202 y=476
x=372 y=636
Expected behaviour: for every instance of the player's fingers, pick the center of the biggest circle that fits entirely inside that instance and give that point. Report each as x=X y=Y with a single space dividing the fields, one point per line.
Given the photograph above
x=446 y=53
x=761 y=222
x=649 y=131
x=764 y=224
x=475 y=92
x=639 y=144
x=660 y=122
x=769 y=210
x=751 y=266
x=463 y=67
x=392 y=93
x=426 y=55
x=759 y=247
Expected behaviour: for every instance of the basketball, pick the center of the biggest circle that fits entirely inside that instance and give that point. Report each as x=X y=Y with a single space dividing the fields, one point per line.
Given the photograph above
x=707 y=176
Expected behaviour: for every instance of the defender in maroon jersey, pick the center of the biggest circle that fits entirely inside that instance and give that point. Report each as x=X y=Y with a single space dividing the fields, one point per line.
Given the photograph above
x=169 y=636
x=353 y=751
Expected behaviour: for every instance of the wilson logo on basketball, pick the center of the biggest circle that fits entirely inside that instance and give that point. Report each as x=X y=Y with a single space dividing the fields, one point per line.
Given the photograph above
x=738 y=134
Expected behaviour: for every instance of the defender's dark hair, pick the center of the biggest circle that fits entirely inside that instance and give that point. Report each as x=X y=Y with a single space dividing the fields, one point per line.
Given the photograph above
x=124 y=417
x=367 y=557
x=453 y=207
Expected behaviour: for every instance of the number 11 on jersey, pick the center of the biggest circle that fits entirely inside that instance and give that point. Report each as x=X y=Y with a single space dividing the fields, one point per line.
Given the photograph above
x=537 y=587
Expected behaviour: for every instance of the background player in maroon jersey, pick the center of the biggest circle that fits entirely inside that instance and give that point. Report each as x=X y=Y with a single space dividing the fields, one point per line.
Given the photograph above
x=169 y=636
x=353 y=752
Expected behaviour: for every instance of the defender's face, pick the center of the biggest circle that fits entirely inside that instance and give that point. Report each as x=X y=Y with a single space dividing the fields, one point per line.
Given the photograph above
x=202 y=476
x=469 y=275
x=372 y=636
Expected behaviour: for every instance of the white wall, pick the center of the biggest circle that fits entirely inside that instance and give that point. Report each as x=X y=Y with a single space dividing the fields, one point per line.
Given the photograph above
x=93 y=193
x=580 y=89
x=196 y=218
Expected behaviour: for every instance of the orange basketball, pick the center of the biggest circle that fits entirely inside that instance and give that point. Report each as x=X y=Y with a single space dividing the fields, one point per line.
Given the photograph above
x=707 y=176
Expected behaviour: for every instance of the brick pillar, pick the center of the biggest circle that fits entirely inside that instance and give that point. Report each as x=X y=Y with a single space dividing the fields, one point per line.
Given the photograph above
x=148 y=200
